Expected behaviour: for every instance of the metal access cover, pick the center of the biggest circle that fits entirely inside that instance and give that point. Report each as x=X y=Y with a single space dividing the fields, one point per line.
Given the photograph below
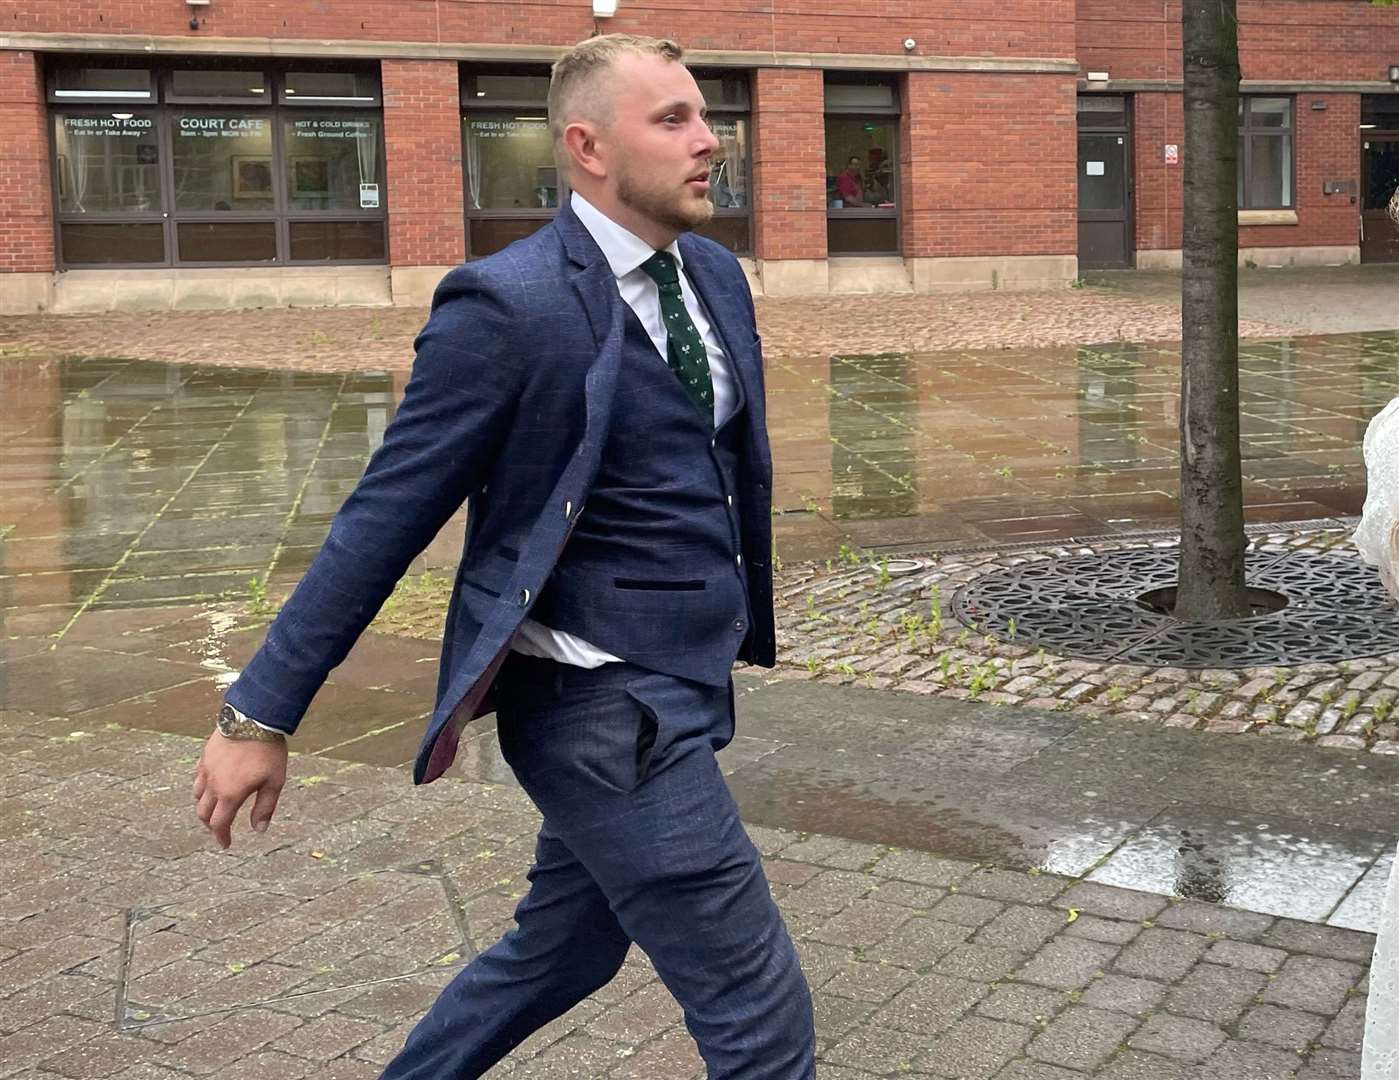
x=1087 y=606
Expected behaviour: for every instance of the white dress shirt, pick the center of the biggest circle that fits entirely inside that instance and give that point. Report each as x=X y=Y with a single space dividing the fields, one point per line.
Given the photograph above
x=625 y=252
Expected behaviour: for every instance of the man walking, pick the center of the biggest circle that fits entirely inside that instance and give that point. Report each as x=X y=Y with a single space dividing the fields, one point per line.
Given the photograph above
x=595 y=391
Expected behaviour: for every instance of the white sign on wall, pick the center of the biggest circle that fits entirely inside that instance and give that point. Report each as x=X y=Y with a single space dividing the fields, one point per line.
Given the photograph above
x=1172 y=154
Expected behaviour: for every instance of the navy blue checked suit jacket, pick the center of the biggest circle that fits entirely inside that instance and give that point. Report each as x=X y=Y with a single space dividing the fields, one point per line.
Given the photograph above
x=511 y=390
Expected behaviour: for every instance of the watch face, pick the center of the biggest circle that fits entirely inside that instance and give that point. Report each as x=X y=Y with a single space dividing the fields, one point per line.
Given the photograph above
x=227 y=718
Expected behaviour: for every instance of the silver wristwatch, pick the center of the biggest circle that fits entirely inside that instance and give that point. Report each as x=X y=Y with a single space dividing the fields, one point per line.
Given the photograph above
x=233 y=724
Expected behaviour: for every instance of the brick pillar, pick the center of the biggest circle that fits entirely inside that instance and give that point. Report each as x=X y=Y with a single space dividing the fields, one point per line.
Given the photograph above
x=422 y=141
x=27 y=254
x=990 y=196
x=789 y=178
x=1158 y=120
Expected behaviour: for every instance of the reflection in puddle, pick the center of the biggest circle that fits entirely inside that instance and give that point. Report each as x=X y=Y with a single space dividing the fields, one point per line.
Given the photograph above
x=1252 y=865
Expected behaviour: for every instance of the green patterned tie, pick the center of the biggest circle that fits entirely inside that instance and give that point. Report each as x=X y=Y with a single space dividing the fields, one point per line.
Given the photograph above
x=684 y=348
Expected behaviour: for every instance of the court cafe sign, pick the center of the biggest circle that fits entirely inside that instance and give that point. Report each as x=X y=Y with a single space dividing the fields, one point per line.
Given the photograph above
x=230 y=127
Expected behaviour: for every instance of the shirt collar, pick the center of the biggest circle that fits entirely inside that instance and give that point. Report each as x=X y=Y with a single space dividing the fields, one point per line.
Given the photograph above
x=624 y=250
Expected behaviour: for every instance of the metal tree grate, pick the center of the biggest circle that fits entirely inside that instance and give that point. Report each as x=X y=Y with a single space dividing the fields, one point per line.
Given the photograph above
x=1087 y=606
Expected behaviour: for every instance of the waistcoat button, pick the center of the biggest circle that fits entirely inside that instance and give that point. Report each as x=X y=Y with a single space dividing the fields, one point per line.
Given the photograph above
x=524 y=597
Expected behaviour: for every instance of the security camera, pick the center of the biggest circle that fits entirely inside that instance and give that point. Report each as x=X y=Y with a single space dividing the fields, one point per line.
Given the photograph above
x=910 y=44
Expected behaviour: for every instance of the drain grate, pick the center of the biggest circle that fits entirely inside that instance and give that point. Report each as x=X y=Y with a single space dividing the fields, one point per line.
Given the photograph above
x=1087 y=606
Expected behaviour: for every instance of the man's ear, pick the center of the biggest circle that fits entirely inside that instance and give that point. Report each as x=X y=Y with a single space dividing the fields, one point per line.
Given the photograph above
x=580 y=139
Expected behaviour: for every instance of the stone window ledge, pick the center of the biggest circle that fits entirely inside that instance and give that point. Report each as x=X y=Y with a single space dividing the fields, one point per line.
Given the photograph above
x=1267 y=217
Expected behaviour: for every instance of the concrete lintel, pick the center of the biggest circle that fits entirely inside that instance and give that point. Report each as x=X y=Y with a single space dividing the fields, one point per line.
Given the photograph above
x=1247 y=86
x=887 y=62
x=178 y=44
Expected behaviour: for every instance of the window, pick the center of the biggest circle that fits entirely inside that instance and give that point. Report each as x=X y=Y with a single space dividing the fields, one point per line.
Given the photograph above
x=511 y=183
x=199 y=85
x=121 y=84
x=229 y=164
x=862 y=184
x=726 y=94
x=1265 y=153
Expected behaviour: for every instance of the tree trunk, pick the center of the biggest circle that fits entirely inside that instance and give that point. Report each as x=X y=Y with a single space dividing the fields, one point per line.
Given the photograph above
x=1211 y=484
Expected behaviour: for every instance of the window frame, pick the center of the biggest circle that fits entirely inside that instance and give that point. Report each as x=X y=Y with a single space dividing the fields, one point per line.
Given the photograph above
x=162 y=110
x=467 y=73
x=1247 y=130
x=892 y=115
x=743 y=112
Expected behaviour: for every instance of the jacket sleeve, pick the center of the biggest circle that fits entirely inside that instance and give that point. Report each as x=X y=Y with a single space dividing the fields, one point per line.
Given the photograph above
x=442 y=443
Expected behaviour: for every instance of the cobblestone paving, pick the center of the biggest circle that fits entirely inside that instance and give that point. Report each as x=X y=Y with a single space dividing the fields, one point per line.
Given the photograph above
x=381 y=339
x=848 y=621
x=131 y=950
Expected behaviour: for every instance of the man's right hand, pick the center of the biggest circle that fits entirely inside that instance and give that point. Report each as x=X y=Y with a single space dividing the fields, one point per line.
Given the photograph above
x=228 y=772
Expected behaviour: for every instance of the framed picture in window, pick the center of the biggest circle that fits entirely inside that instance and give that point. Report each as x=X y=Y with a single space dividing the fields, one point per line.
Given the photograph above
x=310 y=178
x=252 y=176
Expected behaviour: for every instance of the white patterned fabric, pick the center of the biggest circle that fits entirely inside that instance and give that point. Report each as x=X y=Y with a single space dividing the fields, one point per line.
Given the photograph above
x=1376 y=538
x=1376 y=533
x=1381 y=1057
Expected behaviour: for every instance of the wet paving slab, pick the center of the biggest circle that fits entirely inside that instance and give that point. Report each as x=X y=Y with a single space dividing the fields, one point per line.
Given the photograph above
x=121 y=477
x=148 y=510
x=1268 y=826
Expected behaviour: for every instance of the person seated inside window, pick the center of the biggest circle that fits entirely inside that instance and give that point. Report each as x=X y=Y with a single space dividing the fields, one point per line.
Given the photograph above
x=850 y=188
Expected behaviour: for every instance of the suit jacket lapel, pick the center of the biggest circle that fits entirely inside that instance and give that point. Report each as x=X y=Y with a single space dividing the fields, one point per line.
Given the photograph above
x=593 y=277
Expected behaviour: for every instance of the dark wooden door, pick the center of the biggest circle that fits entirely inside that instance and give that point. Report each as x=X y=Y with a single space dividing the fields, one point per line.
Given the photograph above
x=1379 y=177
x=1104 y=200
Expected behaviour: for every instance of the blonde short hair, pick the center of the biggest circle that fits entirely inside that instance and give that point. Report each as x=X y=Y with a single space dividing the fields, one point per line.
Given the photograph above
x=577 y=86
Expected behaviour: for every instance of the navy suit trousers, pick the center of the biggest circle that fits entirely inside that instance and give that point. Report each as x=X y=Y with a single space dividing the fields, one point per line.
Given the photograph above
x=641 y=842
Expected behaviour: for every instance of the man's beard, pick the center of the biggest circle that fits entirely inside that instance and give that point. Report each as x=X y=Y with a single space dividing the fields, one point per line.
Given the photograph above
x=677 y=210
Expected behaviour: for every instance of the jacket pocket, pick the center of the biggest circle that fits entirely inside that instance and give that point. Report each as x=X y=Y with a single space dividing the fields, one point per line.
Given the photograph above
x=649 y=585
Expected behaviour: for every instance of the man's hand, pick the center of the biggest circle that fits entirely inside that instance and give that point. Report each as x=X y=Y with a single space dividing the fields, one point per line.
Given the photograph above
x=228 y=772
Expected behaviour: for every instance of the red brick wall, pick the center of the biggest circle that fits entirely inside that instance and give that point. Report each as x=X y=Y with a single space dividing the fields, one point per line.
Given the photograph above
x=789 y=154
x=422 y=141
x=24 y=167
x=988 y=165
x=1157 y=119
x=1007 y=28
x=1326 y=145
x=1278 y=39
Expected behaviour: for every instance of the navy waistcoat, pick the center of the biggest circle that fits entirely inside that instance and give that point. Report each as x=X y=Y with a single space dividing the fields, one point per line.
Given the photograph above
x=653 y=571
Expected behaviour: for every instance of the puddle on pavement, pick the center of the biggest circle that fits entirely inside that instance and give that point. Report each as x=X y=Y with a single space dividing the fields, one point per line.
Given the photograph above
x=137 y=487
x=1277 y=868
x=128 y=482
